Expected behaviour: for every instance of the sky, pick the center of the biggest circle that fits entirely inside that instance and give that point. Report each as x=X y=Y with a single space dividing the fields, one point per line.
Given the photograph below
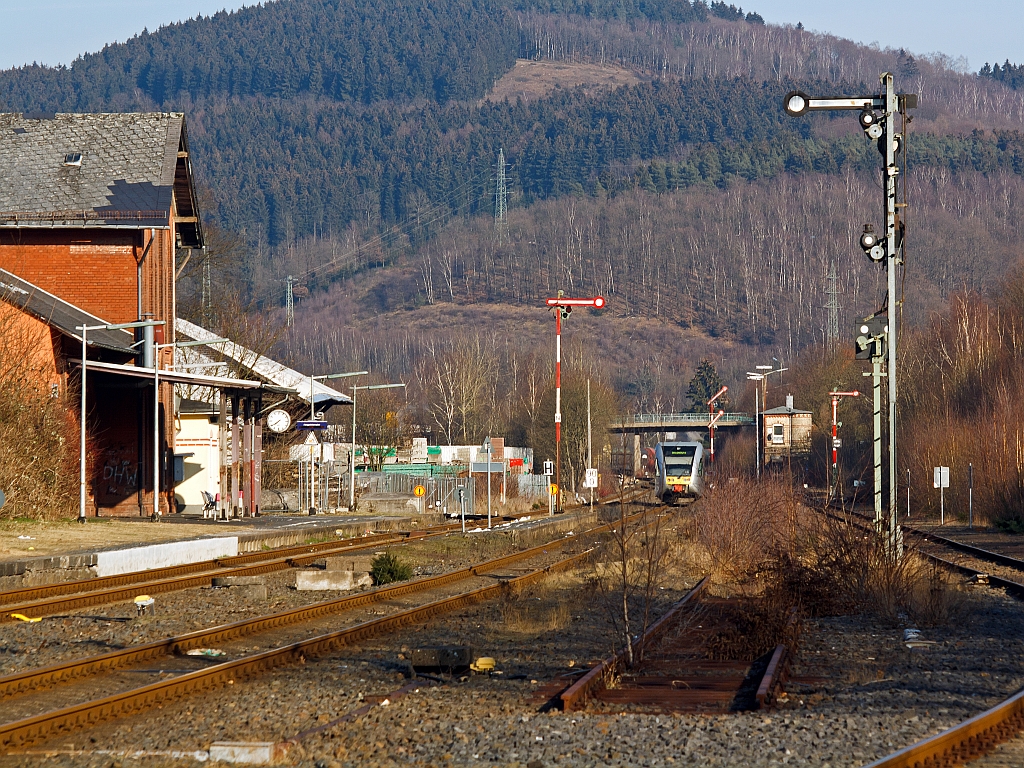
x=58 y=31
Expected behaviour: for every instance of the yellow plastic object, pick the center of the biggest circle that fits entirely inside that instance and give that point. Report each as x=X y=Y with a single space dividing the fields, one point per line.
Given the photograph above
x=23 y=617
x=143 y=599
x=483 y=664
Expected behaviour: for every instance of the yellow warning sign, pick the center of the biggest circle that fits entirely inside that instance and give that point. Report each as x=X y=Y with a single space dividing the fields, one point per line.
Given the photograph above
x=419 y=490
x=553 y=489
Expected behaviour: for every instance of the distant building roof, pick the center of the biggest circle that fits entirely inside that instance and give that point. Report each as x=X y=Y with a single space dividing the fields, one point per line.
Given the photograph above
x=264 y=367
x=97 y=170
x=784 y=411
x=65 y=317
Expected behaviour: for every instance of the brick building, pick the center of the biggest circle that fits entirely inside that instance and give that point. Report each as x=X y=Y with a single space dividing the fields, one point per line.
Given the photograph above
x=97 y=211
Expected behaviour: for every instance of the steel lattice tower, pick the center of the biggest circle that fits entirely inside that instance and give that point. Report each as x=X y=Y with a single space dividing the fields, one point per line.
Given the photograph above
x=206 y=304
x=501 y=199
x=832 y=328
x=289 y=304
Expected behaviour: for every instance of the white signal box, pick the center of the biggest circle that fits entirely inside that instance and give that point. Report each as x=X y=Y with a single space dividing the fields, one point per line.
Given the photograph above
x=941 y=477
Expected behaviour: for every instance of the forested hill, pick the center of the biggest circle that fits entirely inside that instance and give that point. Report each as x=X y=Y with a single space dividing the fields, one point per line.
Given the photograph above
x=345 y=50
x=309 y=116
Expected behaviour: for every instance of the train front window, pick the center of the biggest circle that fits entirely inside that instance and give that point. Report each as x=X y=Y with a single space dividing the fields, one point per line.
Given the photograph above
x=677 y=467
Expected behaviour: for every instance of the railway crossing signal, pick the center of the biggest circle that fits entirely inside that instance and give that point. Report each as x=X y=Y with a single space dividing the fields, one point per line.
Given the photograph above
x=878 y=120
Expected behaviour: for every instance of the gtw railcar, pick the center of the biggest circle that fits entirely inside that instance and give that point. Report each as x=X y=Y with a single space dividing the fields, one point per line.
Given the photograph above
x=680 y=469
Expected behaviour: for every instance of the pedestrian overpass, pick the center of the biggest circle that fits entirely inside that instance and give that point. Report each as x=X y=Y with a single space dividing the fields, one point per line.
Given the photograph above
x=639 y=423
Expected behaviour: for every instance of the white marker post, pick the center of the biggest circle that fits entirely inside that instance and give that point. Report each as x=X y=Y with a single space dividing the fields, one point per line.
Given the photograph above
x=941 y=481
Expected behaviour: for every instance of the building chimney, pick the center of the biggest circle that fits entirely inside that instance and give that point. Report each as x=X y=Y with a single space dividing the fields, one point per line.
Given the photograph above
x=789 y=402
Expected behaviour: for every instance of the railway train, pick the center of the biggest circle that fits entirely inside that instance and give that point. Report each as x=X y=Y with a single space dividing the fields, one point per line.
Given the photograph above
x=680 y=471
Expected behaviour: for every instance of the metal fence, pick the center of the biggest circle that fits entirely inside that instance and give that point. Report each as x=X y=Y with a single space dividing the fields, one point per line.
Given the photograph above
x=442 y=493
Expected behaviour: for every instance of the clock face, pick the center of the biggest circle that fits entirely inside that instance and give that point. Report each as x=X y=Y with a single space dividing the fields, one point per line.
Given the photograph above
x=279 y=420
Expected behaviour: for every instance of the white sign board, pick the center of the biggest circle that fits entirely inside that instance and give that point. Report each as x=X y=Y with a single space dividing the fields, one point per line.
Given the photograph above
x=590 y=481
x=549 y=468
x=941 y=477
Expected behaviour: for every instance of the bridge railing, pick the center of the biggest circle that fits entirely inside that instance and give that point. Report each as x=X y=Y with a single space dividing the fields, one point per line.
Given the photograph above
x=686 y=418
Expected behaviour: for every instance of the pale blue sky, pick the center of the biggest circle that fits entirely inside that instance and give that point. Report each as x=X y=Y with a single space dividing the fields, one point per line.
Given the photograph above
x=57 y=31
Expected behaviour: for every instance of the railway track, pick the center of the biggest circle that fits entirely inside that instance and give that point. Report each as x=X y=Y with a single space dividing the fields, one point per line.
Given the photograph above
x=37 y=727
x=675 y=673
x=977 y=735
x=70 y=596
x=36 y=602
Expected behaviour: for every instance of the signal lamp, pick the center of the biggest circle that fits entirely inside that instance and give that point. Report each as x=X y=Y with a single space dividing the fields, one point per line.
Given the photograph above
x=796 y=103
x=867 y=119
x=868 y=240
x=874 y=131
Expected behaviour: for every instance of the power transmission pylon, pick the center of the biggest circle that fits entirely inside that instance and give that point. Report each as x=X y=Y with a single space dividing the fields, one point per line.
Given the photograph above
x=289 y=304
x=501 y=200
x=832 y=329
x=206 y=303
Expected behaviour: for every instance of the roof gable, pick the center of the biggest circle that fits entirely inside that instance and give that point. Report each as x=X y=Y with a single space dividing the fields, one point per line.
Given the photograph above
x=108 y=170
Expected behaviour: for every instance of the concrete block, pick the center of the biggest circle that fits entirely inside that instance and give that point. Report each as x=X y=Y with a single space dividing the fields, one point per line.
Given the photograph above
x=248 y=752
x=317 y=580
x=349 y=563
x=117 y=561
x=237 y=581
x=256 y=592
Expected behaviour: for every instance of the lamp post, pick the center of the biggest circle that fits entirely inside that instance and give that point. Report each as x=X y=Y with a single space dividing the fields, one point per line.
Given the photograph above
x=81 y=444
x=156 y=412
x=712 y=418
x=761 y=375
x=352 y=484
x=563 y=308
x=836 y=397
x=312 y=417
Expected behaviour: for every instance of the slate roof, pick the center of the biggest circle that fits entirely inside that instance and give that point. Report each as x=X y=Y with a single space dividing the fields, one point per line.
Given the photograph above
x=783 y=411
x=130 y=166
x=60 y=314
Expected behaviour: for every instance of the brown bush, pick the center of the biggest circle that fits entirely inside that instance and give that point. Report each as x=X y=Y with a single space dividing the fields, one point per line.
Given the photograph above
x=742 y=524
x=38 y=433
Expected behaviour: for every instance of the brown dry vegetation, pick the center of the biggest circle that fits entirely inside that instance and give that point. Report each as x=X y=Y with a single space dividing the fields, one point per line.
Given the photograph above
x=38 y=433
x=760 y=541
x=532 y=80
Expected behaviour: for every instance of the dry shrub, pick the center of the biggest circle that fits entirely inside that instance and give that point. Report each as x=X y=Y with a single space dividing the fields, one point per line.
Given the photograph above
x=838 y=567
x=741 y=524
x=38 y=434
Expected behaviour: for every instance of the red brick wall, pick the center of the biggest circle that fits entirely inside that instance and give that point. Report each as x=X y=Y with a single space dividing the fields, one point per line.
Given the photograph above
x=94 y=269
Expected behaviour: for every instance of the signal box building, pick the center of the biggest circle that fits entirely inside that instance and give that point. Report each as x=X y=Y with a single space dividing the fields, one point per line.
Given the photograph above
x=787 y=433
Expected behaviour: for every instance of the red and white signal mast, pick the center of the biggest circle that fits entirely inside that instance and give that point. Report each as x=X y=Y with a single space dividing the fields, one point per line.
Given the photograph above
x=836 y=397
x=563 y=308
x=713 y=417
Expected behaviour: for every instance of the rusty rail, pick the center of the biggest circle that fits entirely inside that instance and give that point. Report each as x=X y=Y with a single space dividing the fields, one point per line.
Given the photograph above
x=575 y=696
x=962 y=742
x=22 y=597
x=35 y=679
x=772 y=678
x=34 y=728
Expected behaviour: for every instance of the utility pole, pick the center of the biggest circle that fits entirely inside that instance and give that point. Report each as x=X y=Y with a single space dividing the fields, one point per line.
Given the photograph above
x=878 y=119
